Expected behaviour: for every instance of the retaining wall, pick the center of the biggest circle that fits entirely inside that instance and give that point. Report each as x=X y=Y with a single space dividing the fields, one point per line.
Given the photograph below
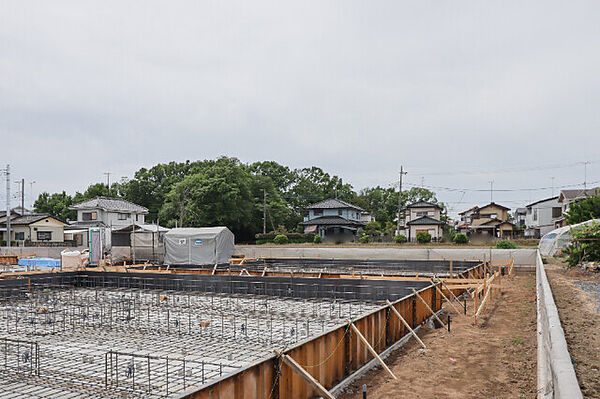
x=556 y=376
x=522 y=257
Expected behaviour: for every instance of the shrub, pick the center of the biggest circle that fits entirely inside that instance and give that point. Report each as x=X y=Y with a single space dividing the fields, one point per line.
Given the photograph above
x=400 y=239
x=506 y=244
x=423 y=237
x=587 y=248
x=318 y=239
x=461 y=238
x=365 y=239
x=281 y=239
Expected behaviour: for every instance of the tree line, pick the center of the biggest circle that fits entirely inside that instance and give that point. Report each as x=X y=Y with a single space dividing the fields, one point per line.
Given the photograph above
x=228 y=192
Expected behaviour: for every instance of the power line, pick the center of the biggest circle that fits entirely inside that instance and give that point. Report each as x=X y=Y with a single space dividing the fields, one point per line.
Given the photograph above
x=497 y=190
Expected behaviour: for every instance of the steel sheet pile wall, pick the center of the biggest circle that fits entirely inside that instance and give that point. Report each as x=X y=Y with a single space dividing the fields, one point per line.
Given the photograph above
x=330 y=357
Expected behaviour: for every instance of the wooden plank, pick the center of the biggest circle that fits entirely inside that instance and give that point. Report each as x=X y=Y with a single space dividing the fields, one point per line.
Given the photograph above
x=373 y=352
x=446 y=298
x=309 y=379
x=414 y=334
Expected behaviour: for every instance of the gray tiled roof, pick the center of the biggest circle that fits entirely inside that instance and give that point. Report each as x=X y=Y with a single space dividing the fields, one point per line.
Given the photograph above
x=28 y=219
x=110 y=204
x=423 y=204
x=331 y=220
x=424 y=220
x=570 y=195
x=332 y=203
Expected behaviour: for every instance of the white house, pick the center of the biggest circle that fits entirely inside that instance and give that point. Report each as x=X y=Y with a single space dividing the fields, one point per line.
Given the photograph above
x=422 y=217
x=108 y=212
x=541 y=217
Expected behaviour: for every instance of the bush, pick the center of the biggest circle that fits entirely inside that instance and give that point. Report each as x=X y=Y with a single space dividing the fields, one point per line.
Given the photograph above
x=400 y=239
x=587 y=249
x=281 y=239
x=506 y=244
x=365 y=239
x=423 y=237
x=293 y=238
x=461 y=238
x=318 y=239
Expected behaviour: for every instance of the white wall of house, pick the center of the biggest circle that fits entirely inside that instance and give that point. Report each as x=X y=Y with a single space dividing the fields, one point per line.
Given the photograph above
x=415 y=213
x=434 y=230
x=540 y=216
x=114 y=219
x=346 y=213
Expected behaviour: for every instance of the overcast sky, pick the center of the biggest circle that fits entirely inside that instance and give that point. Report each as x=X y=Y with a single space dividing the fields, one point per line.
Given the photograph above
x=460 y=93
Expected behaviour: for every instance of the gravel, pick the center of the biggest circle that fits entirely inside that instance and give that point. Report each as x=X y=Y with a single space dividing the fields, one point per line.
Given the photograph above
x=593 y=288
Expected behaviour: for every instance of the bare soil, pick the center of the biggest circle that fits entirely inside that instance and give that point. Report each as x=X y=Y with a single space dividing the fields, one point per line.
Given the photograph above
x=580 y=318
x=496 y=359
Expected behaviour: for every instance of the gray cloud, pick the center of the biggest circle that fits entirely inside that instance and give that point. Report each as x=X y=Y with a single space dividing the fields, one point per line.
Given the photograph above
x=356 y=88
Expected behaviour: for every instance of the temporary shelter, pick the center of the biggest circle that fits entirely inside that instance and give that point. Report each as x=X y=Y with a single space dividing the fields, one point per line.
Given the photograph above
x=198 y=246
x=138 y=241
x=558 y=239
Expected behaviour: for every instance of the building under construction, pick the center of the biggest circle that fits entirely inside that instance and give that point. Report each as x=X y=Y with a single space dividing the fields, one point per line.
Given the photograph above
x=210 y=333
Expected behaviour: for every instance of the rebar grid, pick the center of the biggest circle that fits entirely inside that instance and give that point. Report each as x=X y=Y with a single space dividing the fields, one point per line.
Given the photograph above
x=148 y=343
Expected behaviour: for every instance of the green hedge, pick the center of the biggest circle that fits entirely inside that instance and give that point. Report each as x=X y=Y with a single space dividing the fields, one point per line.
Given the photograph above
x=423 y=237
x=293 y=238
x=461 y=238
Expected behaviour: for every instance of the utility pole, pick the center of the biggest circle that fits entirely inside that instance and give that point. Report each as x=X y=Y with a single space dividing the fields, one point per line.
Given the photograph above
x=264 y=211
x=8 y=206
x=31 y=183
x=491 y=190
x=22 y=196
x=552 y=185
x=585 y=164
x=402 y=172
x=107 y=181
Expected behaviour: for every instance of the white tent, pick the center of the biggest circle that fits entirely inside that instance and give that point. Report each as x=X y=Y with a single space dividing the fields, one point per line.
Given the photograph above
x=558 y=239
x=198 y=246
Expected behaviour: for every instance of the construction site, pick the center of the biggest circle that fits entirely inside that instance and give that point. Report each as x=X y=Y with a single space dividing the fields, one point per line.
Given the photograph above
x=255 y=327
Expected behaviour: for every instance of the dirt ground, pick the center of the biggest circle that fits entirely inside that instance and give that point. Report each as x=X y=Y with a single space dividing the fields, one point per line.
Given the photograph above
x=496 y=359
x=580 y=317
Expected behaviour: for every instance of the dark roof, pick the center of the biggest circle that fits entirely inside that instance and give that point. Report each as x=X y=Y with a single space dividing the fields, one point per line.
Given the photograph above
x=331 y=220
x=494 y=222
x=29 y=219
x=544 y=200
x=333 y=203
x=494 y=204
x=423 y=204
x=571 y=195
x=110 y=204
x=89 y=223
x=468 y=210
x=424 y=220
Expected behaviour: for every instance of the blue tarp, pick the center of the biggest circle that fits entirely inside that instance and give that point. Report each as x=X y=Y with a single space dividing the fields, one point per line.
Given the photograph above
x=40 y=262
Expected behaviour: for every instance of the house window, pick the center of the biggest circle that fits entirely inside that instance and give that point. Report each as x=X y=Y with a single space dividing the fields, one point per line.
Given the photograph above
x=493 y=215
x=87 y=216
x=318 y=212
x=556 y=212
x=136 y=217
x=44 y=235
x=535 y=214
x=20 y=236
x=340 y=212
x=123 y=216
x=422 y=213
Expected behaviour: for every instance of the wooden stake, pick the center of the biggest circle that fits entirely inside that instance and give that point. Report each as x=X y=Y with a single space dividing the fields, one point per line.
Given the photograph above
x=310 y=380
x=373 y=352
x=427 y=306
x=449 y=290
x=446 y=299
x=414 y=334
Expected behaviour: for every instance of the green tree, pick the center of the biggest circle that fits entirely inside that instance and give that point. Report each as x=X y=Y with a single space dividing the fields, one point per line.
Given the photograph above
x=586 y=209
x=586 y=244
x=56 y=204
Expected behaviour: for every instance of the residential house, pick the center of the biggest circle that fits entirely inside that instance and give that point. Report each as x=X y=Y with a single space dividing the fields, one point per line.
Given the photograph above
x=541 y=216
x=491 y=220
x=567 y=197
x=334 y=220
x=421 y=217
x=34 y=228
x=466 y=218
x=108 y=212
x=520 y=217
